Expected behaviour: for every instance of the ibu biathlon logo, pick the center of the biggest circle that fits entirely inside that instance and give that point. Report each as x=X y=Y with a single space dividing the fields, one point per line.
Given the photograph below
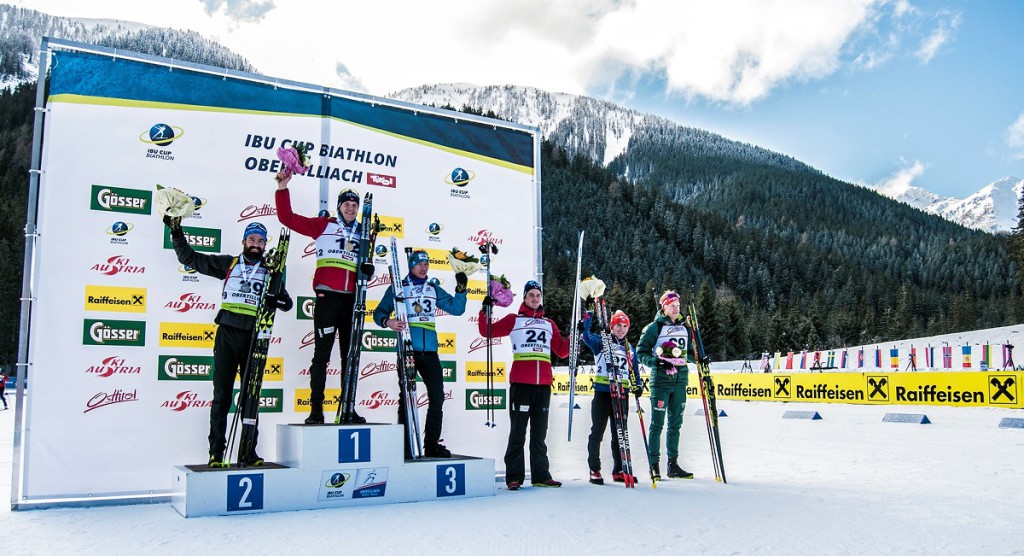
x=434 y=232
x=161 y=135
x=111 y=366
x=197 y=204
x=117 y=232
x=459 y=179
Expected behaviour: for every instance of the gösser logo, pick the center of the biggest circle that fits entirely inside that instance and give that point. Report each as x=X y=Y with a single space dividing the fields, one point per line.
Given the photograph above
x=161 y=135
x=114 y=333
x=120 y=199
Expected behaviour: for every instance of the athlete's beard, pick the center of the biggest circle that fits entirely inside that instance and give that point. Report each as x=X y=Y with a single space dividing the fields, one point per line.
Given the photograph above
x=254 y=253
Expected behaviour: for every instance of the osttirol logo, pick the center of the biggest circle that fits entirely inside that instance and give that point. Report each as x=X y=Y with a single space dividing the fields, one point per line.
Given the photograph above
x=305 y=311
x=271 y=400
x=201 y=239
x=109 y=332
x=379 y=340
x=478 y=399
x=185 y=367
x=120 y=199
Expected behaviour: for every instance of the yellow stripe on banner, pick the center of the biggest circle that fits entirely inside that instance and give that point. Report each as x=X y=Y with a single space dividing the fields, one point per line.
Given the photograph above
x=68 y=98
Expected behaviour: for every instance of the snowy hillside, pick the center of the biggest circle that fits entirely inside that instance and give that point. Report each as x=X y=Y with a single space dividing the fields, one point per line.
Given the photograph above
x=599 y=130
x=992 y=209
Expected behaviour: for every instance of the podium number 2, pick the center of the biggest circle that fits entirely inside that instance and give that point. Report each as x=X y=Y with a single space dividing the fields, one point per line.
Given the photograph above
x=451 y=480
x=245 y=492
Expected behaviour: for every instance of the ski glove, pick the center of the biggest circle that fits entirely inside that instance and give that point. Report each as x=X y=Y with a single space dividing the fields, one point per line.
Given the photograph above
x=460 y=282
x=173 y=222
x=638 y=390
x=281 y=301
x=588 y=320
x=705 y=360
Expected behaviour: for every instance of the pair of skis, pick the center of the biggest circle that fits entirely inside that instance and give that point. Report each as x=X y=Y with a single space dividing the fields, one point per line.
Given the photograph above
x=406 y=363
x=619 y=397
x=247 y=406
x=369 y=225
x=488 y=249
x=708 y=397
x=574 y=335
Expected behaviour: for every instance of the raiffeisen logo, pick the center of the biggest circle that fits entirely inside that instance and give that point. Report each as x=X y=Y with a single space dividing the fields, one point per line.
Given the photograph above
x=120 y=199
x=186 y=400
x=391 y=226
x=161 y=135
x=111 y=366
x=188 y=302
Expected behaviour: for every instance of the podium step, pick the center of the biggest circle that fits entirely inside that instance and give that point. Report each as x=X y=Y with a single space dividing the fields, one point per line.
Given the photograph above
x=330 y=466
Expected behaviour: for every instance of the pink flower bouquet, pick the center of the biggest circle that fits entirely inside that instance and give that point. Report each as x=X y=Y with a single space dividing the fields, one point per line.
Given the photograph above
x=294 y=158
x=501 y=291
x=671 y=353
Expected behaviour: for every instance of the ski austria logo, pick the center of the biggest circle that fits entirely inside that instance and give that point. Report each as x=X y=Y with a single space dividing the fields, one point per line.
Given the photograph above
x=381 y=180
x=188 y=302
x=110 y=366
x=459 y=178
x=186 y=400
x=118 y=264
x=120 y=199
x=483 y=236
x=378 y=399
x=103 y=399
x=161 y=135
x=117 y=231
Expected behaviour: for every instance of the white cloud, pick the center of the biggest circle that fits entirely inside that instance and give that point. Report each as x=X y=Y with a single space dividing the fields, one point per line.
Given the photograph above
x=902 y=180
x=239 y=10
x=942 y=34
x=1015 y=138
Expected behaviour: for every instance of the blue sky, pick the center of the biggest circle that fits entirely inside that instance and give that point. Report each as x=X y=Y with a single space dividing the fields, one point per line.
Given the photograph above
x=927 y=93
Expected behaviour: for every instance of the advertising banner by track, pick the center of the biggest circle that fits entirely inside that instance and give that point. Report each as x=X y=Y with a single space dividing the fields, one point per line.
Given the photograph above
x=121 y=336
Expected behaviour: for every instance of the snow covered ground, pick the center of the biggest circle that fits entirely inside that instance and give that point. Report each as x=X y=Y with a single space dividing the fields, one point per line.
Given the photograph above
x=848 y=483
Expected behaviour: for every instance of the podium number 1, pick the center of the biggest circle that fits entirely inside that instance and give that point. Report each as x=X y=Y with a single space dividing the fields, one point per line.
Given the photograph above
x=353 y=445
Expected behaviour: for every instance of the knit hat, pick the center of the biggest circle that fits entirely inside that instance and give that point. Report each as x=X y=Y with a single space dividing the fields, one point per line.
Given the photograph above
x=255 y=228
x=348 y=195
x=619 y=317
x=532 y=285
x=417 y=257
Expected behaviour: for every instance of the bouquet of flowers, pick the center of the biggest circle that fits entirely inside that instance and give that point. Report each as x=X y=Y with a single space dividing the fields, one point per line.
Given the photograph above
x=462 y=261
x=670 y=352
x=294 y=158
x=501 y=291
x=173 y=202
x=591 y=287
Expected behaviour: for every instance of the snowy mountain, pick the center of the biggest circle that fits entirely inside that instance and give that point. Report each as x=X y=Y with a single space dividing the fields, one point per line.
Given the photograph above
x=602 y=131
x=21 y=31
x=599 y=130
x=992 y=208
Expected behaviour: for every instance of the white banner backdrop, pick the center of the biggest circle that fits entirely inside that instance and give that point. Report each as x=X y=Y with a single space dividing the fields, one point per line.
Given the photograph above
x=120 y=343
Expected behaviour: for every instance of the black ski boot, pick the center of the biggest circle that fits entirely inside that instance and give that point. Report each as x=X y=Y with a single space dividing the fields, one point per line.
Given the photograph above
x=655 y=471
x=676 y=472
x=316 y=415
x=436 y=450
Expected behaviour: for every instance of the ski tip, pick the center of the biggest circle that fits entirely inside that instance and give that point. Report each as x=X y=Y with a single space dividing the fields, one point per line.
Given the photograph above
x=577 y=406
